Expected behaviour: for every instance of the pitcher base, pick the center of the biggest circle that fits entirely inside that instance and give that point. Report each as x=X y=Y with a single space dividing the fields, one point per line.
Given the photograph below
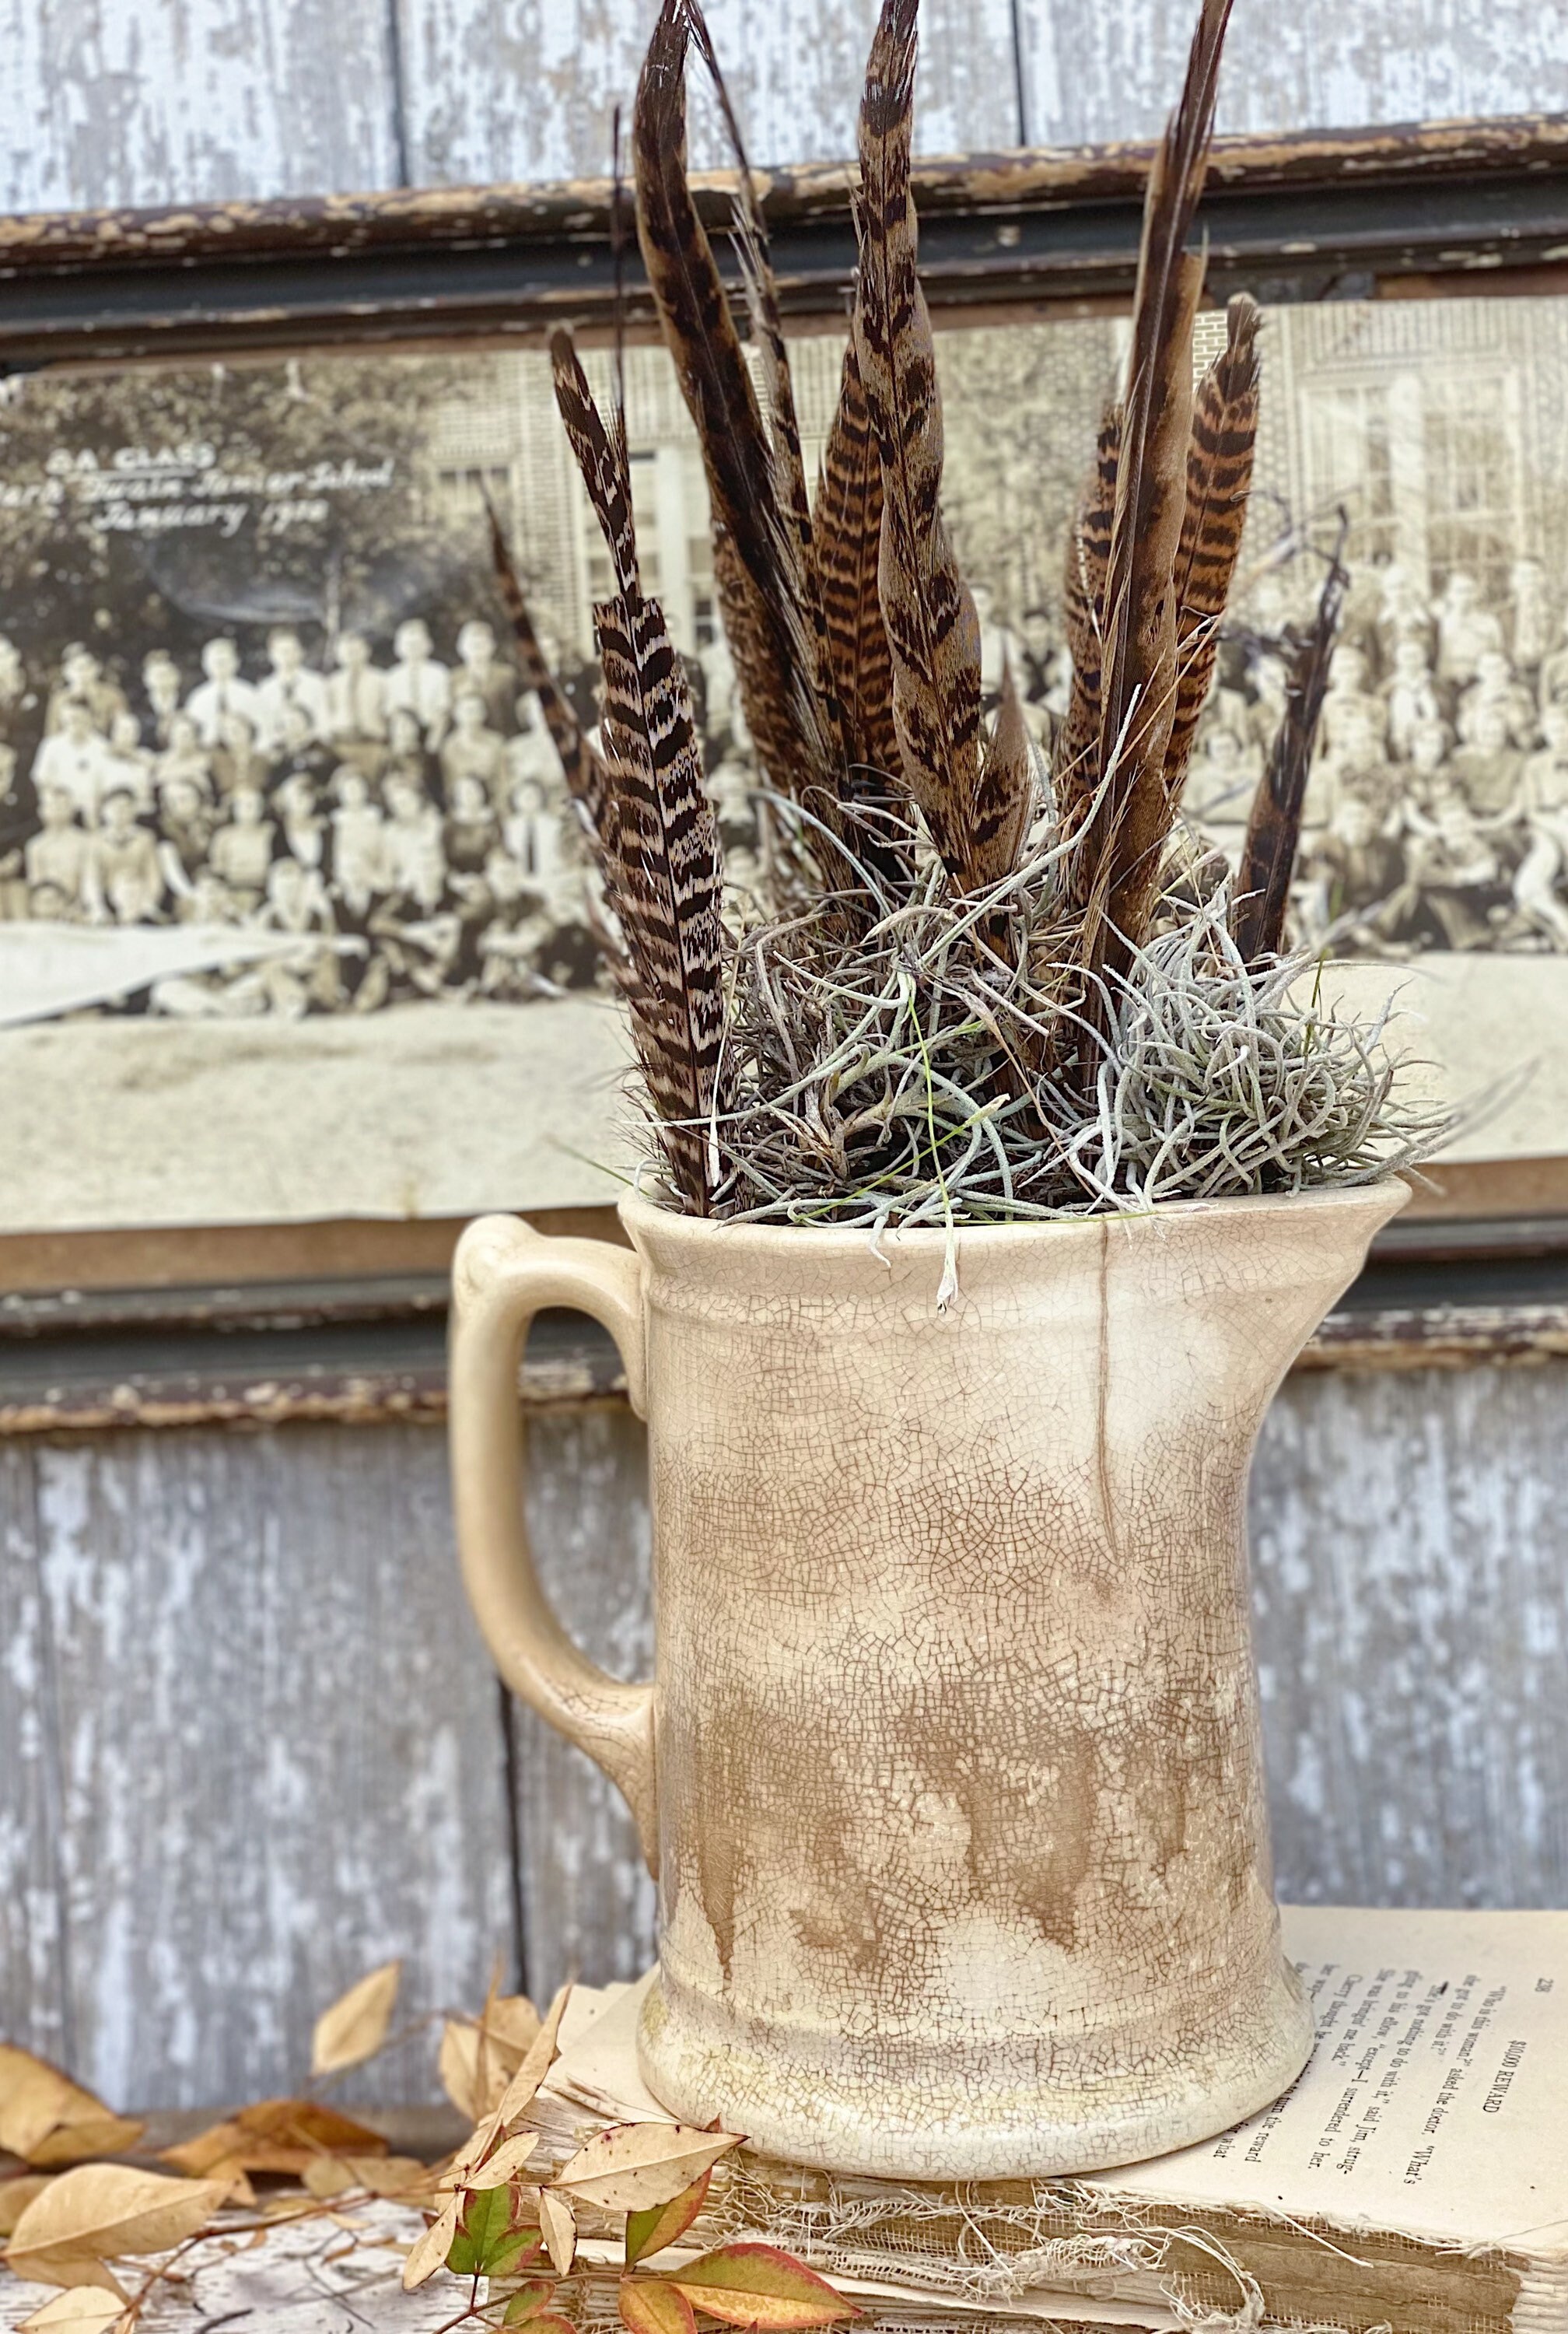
x=1028 y=2107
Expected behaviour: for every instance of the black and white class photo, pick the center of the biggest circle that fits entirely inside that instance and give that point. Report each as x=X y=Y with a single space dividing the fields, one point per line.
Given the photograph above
x=265 y=756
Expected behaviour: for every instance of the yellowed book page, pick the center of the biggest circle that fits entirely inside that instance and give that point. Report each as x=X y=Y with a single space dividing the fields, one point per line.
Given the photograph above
x=1435 y=2102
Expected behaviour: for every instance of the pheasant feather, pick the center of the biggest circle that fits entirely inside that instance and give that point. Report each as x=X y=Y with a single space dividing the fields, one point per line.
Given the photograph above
x=661 y=850
x=1122 y=838
x=1005 y=795
x=763 y=582
x=1218 y=480
x=751 y=242
x=933 y=631
x=585 y=773
x=1075 y=763
x=1273 y=825
x=847 y=527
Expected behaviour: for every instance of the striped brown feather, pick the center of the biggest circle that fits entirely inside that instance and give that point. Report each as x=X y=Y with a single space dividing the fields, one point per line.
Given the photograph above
x=762 y=587
x=752 y=248
x=1218 y=480
x=661 y=862
x=1076 y=762
x=848 y=522
x=932 y=628
x=1119 y=855
x=1005 y=797
x=583 y=768
x=666 y=891
x=1273 y=825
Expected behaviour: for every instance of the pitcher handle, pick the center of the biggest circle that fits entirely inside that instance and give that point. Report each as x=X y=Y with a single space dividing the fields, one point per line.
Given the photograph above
x=504 y=1273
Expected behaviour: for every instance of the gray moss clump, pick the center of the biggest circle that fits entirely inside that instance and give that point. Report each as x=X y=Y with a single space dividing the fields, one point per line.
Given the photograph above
x=914 y=1078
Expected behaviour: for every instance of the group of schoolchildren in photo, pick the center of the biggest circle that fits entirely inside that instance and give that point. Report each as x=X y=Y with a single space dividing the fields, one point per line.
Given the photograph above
x=1437 y=812
x=401 y=820
x=404 y=822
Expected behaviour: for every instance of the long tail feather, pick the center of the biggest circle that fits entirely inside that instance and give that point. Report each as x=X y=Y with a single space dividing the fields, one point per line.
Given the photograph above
x=763 y=585
x=847 y=523
x=1274 y=827
x=1118 y=860
x=751 y=242
x=1075 y=770
x=1005 y=797
x=847 y=520
x=661 y=861
x=1218 y=481
x=932 y=627
x=585 y=773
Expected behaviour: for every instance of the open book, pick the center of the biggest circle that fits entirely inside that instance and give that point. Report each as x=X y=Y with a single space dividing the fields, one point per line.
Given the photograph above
x=1416 y=2177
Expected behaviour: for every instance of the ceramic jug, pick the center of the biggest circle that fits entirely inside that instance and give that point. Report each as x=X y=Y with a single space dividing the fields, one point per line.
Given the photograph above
x=950 y=1768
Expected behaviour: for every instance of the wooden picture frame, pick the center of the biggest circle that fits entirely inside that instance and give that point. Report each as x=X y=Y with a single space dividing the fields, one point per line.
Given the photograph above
x=1432 y=211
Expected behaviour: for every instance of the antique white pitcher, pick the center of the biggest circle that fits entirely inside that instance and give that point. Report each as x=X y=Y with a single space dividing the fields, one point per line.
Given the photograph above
x=950 y=1768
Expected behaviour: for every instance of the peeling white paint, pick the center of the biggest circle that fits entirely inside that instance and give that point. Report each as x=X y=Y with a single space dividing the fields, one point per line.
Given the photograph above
x=175 y=100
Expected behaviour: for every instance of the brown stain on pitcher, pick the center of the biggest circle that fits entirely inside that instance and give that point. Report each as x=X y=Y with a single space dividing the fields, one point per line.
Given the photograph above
x=965 y=1866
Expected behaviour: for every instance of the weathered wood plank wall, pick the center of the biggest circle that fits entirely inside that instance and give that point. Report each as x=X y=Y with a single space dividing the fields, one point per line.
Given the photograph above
x=175 y=100
x=250 y=1745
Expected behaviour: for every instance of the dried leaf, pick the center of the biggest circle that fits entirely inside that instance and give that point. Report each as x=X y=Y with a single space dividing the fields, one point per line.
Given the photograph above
x=758 y=2285
x=309 y=2123
x=634 y=2165
x=458 y=2067
x=648 y=2306
x=529 y=2300
x=472 y=2153
x=328 y=2176
x=393 y=2175
x=554 y=2324
x=518 y=2095
x=512 y=2025
x=16 y=2194
x=98 y=2212
x=234 y=2181
x=479 y=2057
x=220 y=2149
x=76 y=2271
x=82 y=2143
x=51 y=2121
x=495 y=2234
x=512 y=2158
x=80 y=2309
x=650 y=2232
x=559 y=2224
x=377 y=2175
x=354 y=2029
x=281 y=2136
x=428 y=2253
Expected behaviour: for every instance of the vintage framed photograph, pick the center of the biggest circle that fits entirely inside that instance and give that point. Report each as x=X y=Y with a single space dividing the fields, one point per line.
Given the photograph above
x=296 y=924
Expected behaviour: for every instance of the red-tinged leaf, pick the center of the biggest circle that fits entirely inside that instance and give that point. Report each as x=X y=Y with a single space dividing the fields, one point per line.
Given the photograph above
x=758 y=2285
x=529 y=2300
x=651 y=2231
x=554 y=2324
x=648 y=2305
x=494 y=2235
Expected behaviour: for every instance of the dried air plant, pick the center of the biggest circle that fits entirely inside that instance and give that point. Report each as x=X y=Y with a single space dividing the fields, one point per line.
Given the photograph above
x=971 y=993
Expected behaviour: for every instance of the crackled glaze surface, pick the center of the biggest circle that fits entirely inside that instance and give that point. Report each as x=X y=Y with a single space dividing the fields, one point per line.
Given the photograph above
x=965 y=1864
x=957 y=1778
